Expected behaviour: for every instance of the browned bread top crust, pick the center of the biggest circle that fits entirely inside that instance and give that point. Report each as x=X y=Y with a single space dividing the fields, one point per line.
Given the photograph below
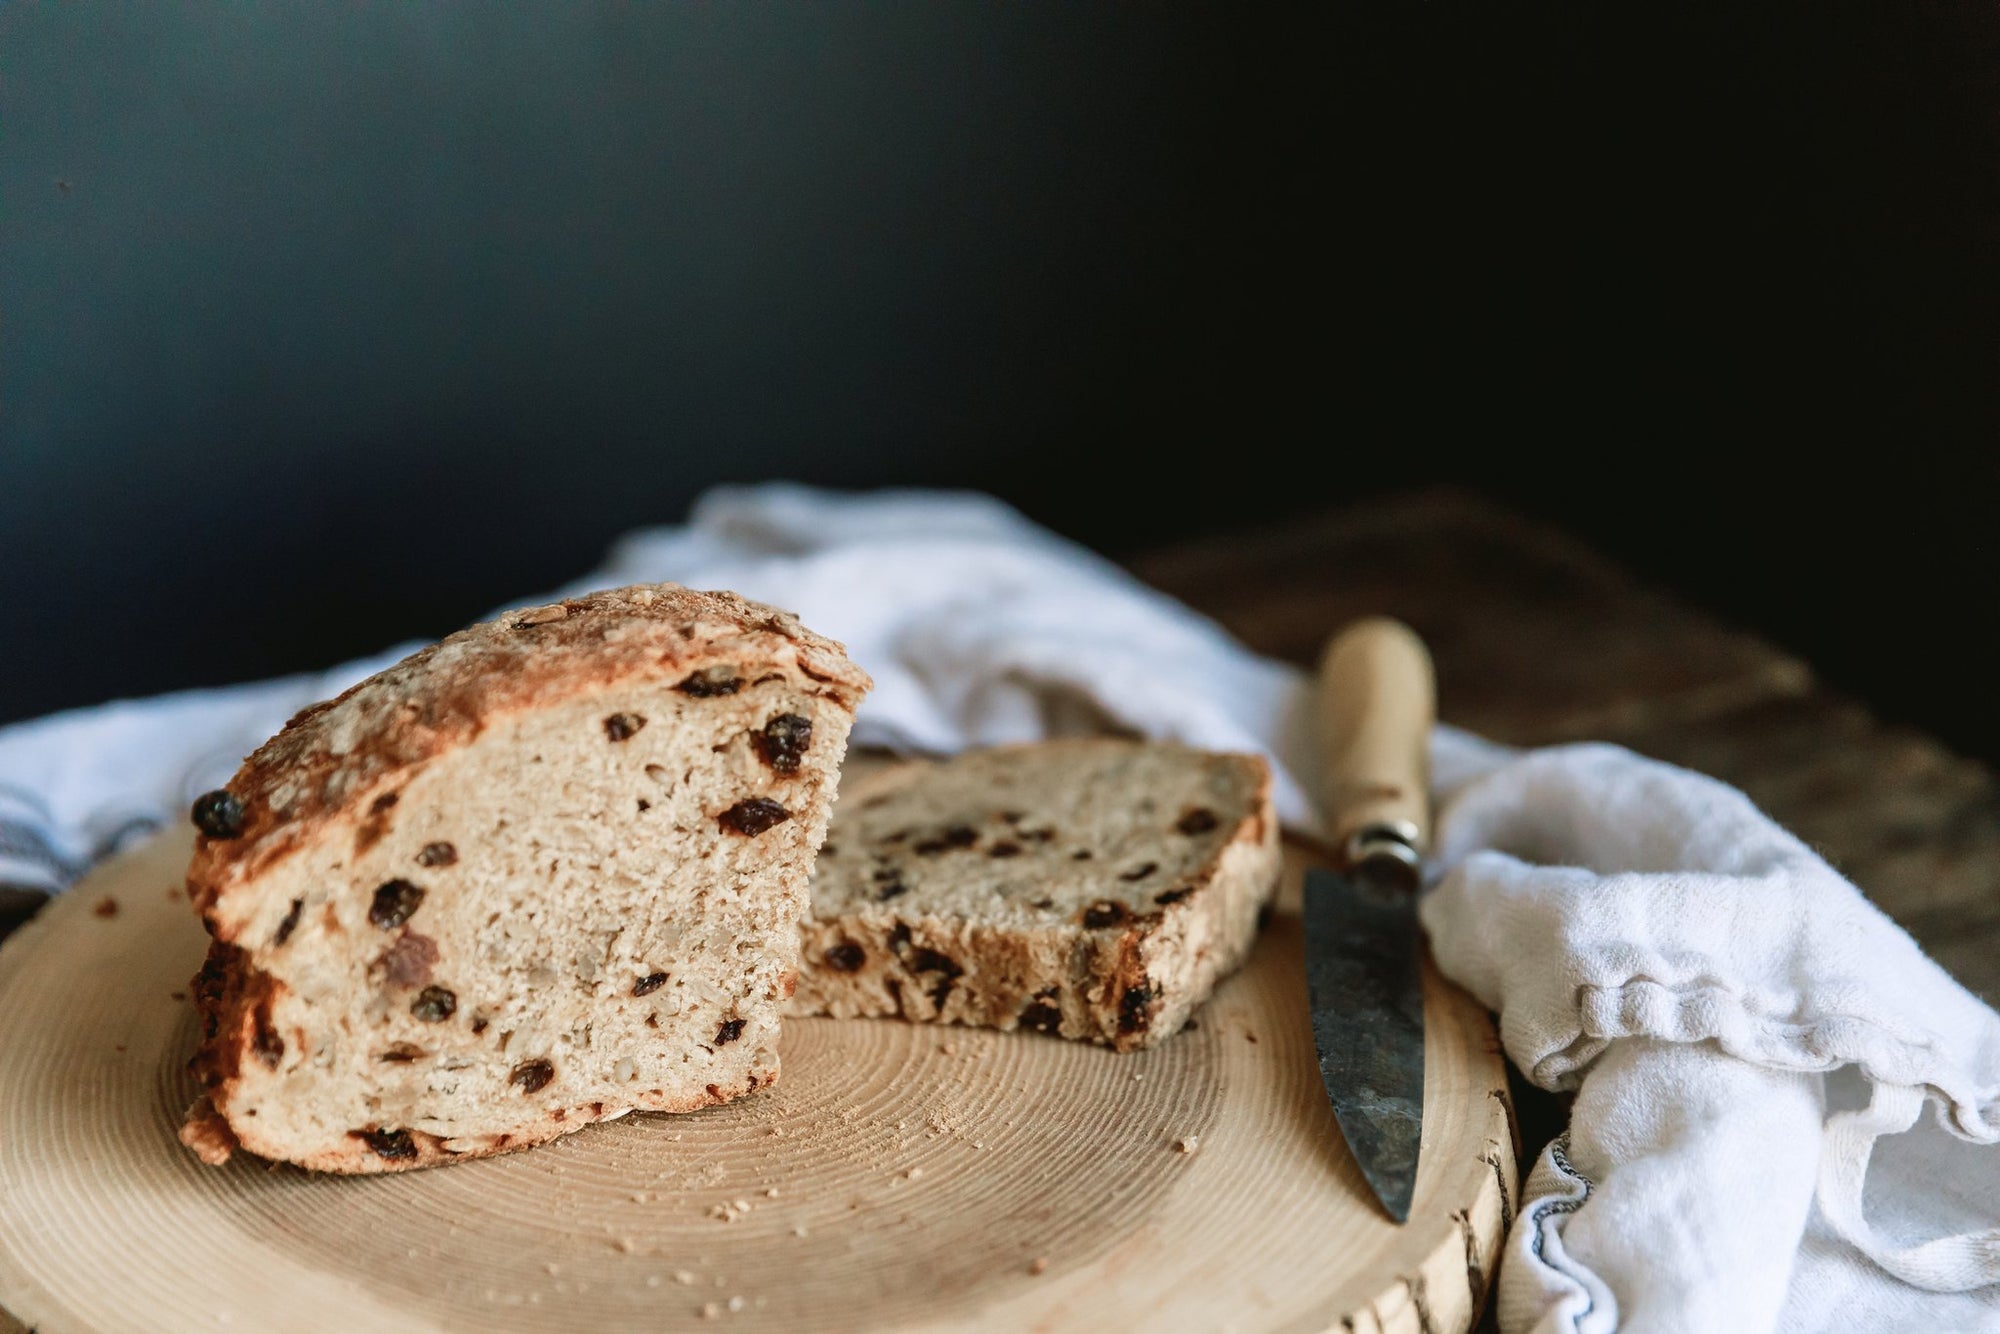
x=341 y=760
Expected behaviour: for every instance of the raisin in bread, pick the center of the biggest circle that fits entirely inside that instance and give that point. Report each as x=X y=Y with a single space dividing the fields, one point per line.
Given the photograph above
x=540 y=874
x=1095 y=889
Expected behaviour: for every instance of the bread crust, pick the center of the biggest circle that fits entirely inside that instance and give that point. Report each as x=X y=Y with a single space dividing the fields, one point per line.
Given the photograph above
x=333 y=766
x=333 y=759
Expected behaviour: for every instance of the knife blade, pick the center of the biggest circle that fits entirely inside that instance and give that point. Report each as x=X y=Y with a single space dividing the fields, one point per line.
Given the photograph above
x=1376 y=703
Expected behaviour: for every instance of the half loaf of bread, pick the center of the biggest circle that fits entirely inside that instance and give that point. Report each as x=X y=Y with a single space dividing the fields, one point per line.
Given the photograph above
x=540 y=874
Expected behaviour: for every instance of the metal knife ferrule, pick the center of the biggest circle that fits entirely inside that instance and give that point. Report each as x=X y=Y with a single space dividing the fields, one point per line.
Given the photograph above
x=1398 y=842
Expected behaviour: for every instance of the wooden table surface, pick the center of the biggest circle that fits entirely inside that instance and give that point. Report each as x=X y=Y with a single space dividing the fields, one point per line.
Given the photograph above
x=1539 y=640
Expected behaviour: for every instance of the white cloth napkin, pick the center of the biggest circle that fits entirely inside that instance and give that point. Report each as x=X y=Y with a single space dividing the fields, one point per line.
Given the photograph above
x=1696 y=974
x=1738 y=1023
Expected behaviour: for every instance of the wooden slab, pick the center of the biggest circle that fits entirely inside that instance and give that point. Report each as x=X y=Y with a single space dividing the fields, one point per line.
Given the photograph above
x=897 y=1176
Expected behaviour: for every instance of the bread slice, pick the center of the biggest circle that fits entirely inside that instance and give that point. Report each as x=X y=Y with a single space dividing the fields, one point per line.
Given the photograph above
x=543 y=873
x=1095 y=889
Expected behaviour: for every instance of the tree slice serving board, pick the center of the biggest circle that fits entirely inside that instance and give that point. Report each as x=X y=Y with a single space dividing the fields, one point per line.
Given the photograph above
x=898 y=1176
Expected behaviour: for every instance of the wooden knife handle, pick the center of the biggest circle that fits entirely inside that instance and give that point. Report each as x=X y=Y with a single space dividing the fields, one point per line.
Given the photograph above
x=1377 y=701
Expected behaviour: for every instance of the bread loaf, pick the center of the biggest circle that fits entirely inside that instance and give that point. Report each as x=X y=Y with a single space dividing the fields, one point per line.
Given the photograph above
x=543 y=873
x=1093 y=889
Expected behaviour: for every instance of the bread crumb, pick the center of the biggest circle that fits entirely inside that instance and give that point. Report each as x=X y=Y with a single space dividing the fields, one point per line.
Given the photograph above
x=624 y=1245
x=949 y=1049
x=770 y=1192
x=552 y=1269
x=1039 y=1265
x=543 y=615
x=1136 y=1076
x=913 y=1174
x=737 y=1303
x=798 y=1229
x=654 y=1280
x=682 y=1277
x=710 y=1310
x=106 y=907
x=1188 y=1143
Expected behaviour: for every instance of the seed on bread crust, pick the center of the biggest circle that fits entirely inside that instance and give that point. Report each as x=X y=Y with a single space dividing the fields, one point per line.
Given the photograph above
x=730 y=1030
x=218 y=814
x=649 y=984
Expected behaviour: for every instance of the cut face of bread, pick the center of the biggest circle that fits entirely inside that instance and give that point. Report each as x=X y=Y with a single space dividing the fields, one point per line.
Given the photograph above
x=1093 y=889
x=544 y=873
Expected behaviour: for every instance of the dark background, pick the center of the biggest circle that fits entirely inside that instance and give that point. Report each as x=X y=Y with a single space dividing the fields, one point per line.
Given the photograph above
x=323 y=327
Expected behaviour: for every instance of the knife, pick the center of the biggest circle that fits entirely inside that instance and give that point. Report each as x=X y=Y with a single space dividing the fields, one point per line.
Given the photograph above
x=1376 y=700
